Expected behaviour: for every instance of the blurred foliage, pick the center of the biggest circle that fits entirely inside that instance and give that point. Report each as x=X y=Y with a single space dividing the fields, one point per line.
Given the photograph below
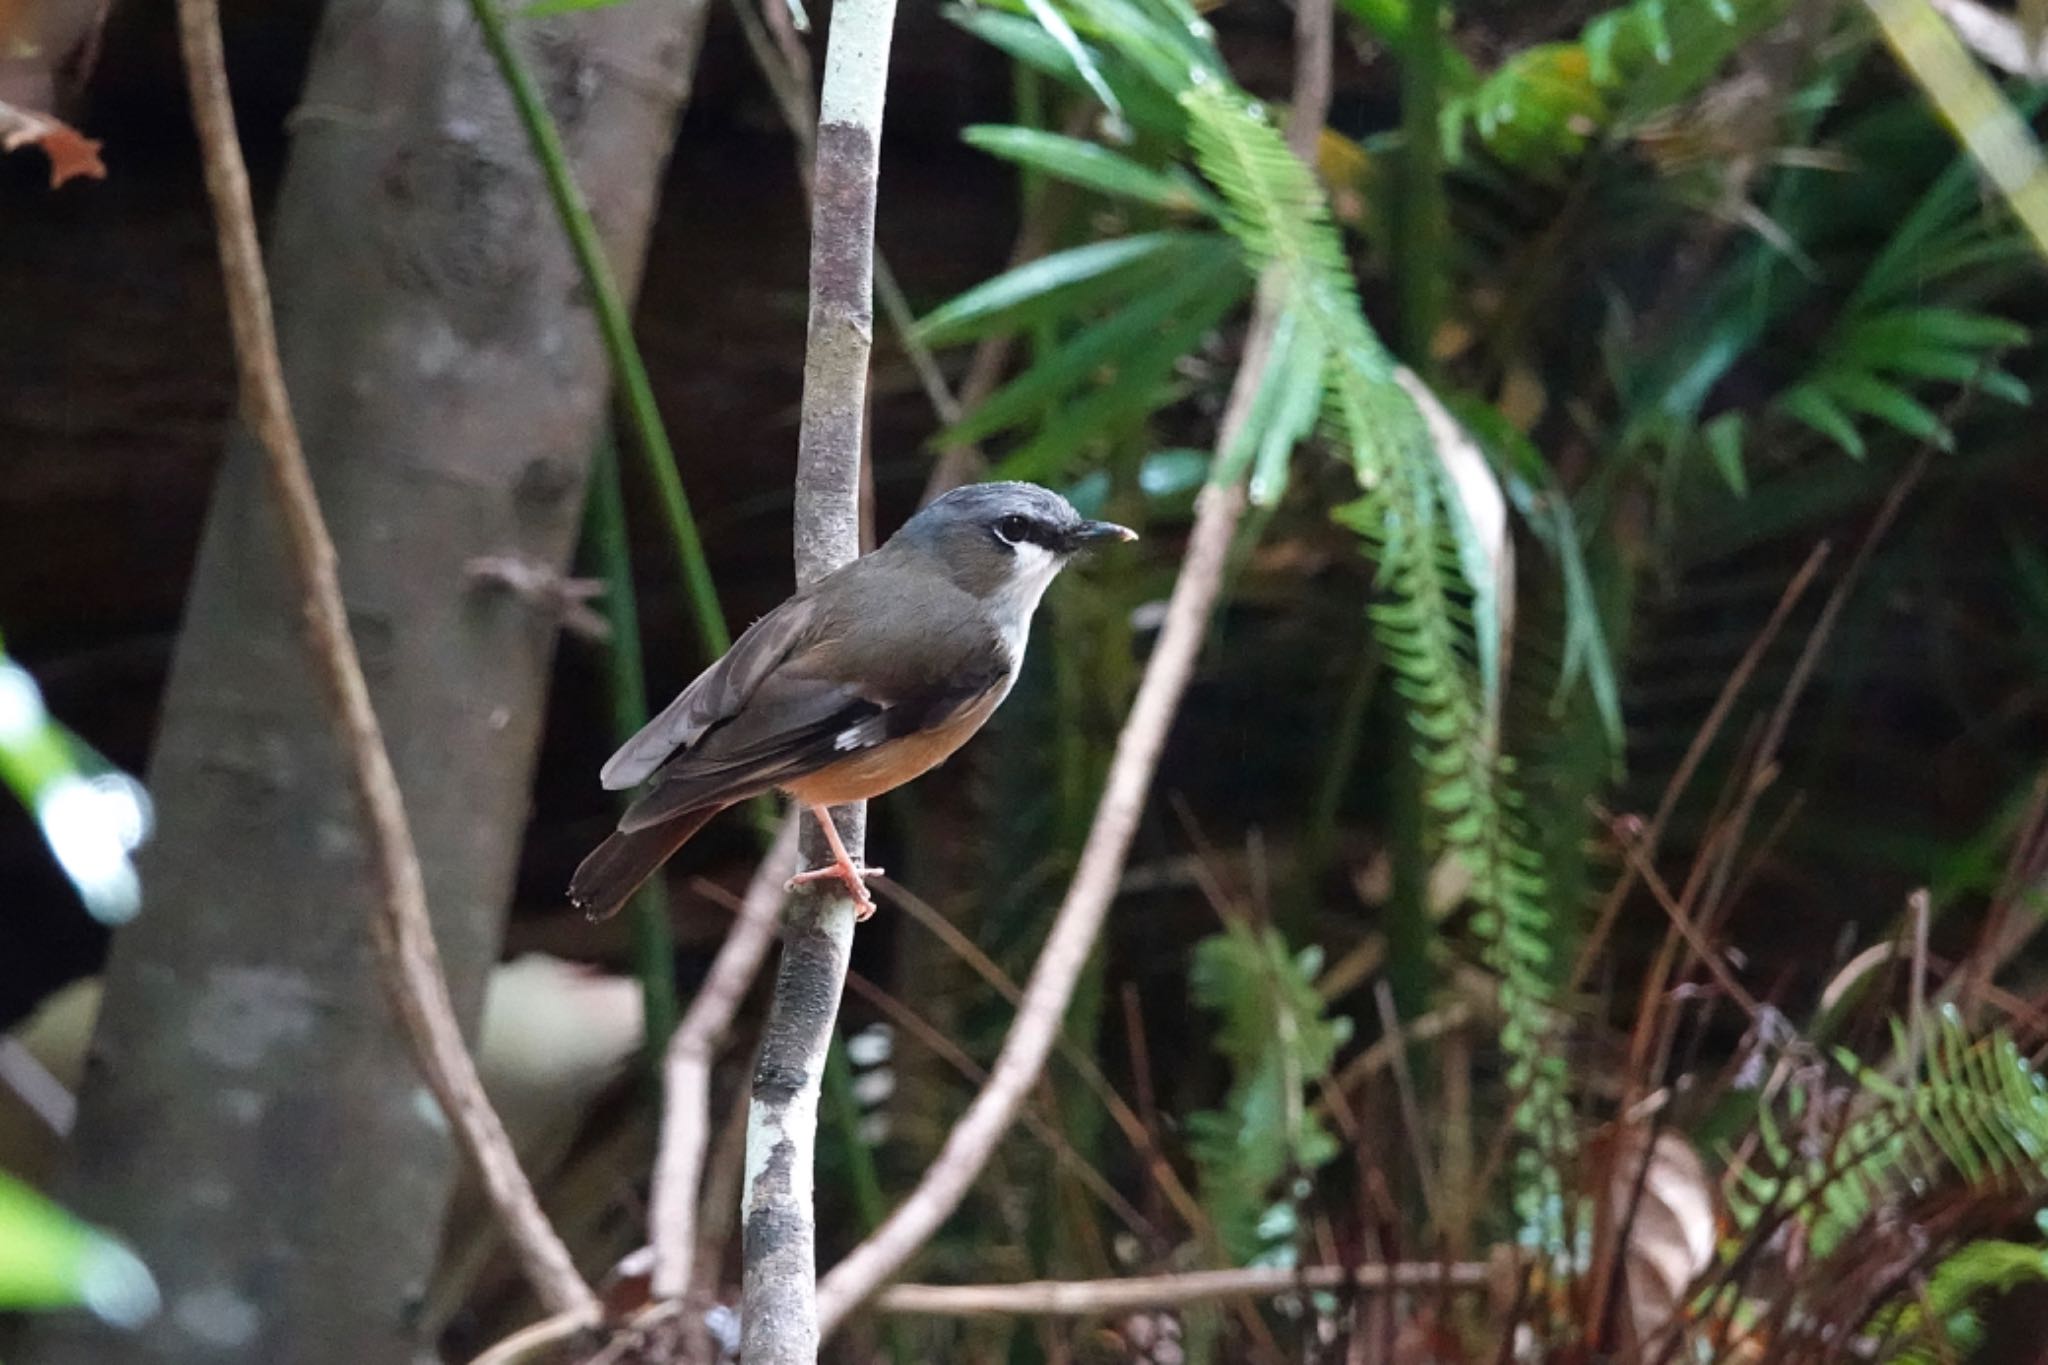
x=1971 y=1107
x=48 y=1259
x=1946 y=1322
x=1280 y=1047
x=92 y=816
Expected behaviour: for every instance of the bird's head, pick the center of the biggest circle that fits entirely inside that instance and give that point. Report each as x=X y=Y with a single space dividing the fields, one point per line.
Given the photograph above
x=1004 y=540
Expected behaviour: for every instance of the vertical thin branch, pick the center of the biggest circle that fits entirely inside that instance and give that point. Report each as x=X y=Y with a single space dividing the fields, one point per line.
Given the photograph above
x=779 y=1308
x=1079 y=920
x=686 y=1113
x=407 y=958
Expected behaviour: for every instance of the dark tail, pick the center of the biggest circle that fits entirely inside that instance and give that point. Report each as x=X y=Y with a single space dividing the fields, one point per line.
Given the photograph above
x=616 y=867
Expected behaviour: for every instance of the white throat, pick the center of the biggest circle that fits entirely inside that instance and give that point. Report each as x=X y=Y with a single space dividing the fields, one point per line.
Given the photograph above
x=1013 y=604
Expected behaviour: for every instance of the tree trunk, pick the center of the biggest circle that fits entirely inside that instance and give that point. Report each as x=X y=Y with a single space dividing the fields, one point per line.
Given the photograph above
x=251 y=1120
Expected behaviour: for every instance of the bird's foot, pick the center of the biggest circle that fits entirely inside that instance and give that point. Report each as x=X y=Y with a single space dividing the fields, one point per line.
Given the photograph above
x=850 y=877
x=842 y=868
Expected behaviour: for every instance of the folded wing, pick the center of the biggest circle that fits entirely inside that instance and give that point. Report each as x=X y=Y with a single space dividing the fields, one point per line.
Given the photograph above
x=716 y=696
x=801 y=720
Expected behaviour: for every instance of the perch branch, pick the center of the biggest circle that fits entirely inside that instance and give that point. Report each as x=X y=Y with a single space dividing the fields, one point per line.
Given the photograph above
x=407 y=959
x=779 y=1308
x=1086 y=1298
x=1079 y=921
x=686 y=1115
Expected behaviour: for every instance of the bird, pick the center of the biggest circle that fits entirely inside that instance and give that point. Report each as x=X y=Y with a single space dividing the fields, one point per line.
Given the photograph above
x=867 y=678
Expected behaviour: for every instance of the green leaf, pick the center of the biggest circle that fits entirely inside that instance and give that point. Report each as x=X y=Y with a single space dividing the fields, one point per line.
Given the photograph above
x=1131 y=392
x=1534 y=491
x=1143 y=104
x=1392 y=21
x=1056 y=26
x=1862 y=392
x=1172 y=475
x=1172 y=52
x=1967 y=369
x=91 y=815
x=1092 y=166
x=1063 y=280
x=1296 y=405
x=1813 y=407
x=48 y=1259
x=1945 y=327
x=1277 y=211
x=1077 y=360
x=1236 y=455
x=1724 y=443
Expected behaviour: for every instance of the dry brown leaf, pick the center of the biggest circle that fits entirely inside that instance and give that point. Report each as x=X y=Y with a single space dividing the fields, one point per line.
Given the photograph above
x=1671 y=1233
x=71 y=153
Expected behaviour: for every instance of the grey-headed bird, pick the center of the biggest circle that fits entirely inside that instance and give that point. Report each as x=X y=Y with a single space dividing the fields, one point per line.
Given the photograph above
x=860 y=682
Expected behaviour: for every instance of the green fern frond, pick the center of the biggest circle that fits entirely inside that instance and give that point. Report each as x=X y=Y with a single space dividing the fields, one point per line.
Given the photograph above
x=1407 y=515
x=1975 y=1113
x=1944 y=1323
x=1280 y=1046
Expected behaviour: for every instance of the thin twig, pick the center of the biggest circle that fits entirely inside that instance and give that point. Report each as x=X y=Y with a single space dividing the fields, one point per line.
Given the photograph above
x=1218 y=509
x=1424 y=1028
x=408 y=961
x=1411 y=1106
x=1763 y=765
x=1119 y=1111
x=1917 y=905
x=686 y=1089
x=1681 y=922
x=1695 y=754
x=534 y=1341
x=1084 y=1298
x=919 y=1029
x=779 y=1301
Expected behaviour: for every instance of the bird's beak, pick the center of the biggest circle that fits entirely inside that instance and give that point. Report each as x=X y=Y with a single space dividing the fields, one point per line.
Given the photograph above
x=1091 y=532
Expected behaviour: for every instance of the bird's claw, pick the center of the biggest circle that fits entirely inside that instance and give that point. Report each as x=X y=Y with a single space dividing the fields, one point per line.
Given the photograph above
x=847 y=875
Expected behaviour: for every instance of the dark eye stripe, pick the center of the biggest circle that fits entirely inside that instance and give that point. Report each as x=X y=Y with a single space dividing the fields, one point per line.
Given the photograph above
x=1017 y=528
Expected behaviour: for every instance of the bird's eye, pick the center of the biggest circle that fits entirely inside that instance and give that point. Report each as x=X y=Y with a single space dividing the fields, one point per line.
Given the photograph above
x=1012 y=529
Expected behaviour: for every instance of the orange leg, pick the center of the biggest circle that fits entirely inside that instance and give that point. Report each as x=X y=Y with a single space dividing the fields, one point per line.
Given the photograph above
x=842 y=869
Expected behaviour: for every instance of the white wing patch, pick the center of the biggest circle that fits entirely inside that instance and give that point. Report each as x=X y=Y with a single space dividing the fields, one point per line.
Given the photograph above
x=865 y=733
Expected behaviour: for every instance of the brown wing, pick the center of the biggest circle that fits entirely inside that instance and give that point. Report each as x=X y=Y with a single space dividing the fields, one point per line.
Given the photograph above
x=801 y=719
x=716 y=696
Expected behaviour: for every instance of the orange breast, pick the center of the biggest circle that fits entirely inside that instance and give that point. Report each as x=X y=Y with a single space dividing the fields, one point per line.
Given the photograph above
x=887 y=766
